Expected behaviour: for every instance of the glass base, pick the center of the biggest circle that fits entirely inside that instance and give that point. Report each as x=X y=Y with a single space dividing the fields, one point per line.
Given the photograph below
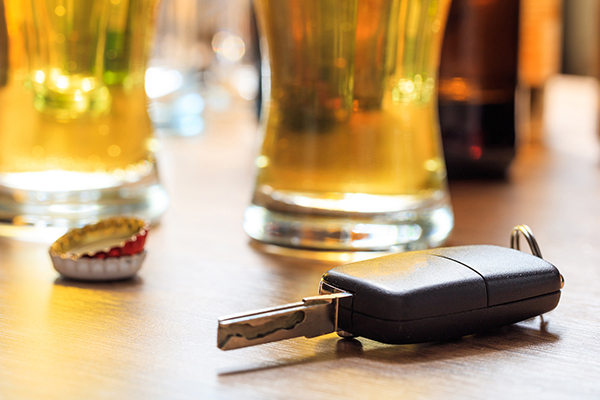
x=332 y=257
x=296 y=220
x=44 y=205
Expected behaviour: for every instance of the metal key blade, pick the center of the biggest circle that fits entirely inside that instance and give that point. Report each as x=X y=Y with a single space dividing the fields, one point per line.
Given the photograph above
x=313 y=316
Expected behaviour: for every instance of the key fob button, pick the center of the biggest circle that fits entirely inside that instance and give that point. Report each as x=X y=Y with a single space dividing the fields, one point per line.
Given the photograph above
x=510 y=275
x=409 y=286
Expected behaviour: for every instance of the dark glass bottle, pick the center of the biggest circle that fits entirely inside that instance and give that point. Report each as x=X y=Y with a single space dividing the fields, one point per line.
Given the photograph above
x=477 y=85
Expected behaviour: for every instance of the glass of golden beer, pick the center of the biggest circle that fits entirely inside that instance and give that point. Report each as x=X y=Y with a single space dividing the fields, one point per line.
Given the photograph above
x=351 y=155
x=76 y=143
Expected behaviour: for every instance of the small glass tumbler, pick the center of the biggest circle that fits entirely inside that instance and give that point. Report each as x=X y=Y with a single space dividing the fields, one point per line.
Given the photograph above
x=351 y=155
x=76 y=143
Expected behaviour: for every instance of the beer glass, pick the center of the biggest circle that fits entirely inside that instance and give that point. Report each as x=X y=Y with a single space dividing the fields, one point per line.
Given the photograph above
x=351 y=155
x=76 y=143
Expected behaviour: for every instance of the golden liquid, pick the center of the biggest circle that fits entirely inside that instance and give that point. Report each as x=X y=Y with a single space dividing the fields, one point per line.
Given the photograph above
x=74 y=96
x=352 y=106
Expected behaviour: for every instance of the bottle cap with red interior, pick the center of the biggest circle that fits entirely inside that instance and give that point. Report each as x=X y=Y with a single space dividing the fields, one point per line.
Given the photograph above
x=110 y=249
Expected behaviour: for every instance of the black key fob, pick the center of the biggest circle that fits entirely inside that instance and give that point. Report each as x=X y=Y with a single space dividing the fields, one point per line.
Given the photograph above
x=442 y=293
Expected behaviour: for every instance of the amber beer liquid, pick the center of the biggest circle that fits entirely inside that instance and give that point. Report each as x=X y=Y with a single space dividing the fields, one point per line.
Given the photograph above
x=351 y=157
x=75 y=139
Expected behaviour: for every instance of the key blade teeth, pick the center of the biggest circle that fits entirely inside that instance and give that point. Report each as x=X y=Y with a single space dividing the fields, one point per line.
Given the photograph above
x=244 y=332
x=315 y=316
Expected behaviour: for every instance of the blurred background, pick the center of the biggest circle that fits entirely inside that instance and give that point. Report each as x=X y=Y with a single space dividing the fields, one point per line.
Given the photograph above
x=206 y=62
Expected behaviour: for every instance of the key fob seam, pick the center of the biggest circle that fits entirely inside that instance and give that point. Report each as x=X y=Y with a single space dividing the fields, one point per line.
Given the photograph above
x=487 y=289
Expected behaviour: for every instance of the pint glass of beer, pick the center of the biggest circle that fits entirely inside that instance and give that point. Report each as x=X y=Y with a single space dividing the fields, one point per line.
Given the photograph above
x=75 y=138
x=351 y=156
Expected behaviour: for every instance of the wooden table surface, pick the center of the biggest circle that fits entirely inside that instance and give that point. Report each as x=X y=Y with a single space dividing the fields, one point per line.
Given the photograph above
x=154 y=337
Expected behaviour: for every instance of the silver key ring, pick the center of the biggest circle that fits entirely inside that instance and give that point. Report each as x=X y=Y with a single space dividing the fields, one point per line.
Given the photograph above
x=526 y=231
x=533 y=244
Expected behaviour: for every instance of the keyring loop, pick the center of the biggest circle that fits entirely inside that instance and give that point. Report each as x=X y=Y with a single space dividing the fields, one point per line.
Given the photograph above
x=526 y=231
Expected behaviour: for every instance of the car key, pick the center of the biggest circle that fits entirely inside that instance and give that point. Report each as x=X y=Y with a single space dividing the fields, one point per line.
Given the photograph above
x=412 y=297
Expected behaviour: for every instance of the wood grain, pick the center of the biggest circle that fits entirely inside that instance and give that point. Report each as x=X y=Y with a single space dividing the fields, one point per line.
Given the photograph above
x=154 y=337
